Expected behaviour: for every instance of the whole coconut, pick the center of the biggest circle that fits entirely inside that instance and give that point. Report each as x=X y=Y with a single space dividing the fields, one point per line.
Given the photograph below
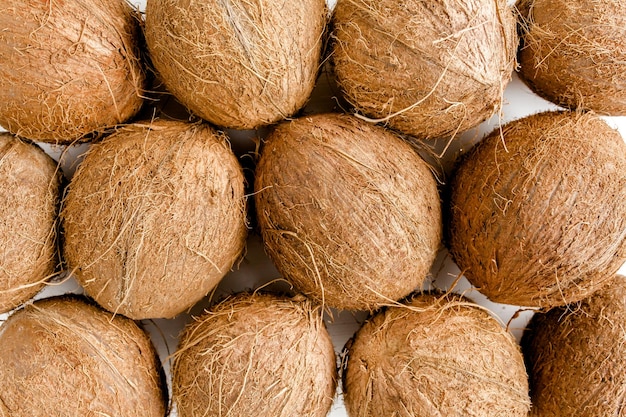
x=237 y=63
x=576 y=356
x=65 y=357
x=155 y=217
x=434 y=356
x=429 y=68
x=573 y=52
x=538 y=210
x=256 y=355
x=29 y=203
x=68 y=68
x=348 y=211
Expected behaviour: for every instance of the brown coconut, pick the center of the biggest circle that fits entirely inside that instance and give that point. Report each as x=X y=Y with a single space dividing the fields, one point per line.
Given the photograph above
x=68 y=68
x=427 y=68
x=538 y=214
x=348 y=211
x=155 y=217
x=238 y=64
x=30 y=182
x=576 y=356
x=573 y=52
x=434 y=356
x=65 y=357
x=256 y=355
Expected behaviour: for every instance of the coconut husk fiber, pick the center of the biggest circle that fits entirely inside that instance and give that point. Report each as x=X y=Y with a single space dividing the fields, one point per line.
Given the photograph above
x=427 y=68
x=256 y=355
x=538 y=210
x=155 y=217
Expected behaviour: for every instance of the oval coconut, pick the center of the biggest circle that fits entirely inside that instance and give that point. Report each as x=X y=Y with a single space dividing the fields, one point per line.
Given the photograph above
x=68 y=68
x=238 y=64
x=256 y=355
x=573 y=52
x=427 y=68
x=538 y=214
x=66 y=357
x=348 y=211
x=434 y=356
x=155 y=217
x=576 y=356
x=31 y=185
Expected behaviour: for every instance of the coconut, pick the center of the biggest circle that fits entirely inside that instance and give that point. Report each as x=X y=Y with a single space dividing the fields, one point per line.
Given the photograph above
x=66 y=357
x=434 y=355
x=573 y=52
x=68 y=68
x=30 y=182
x=349 y=212
x=538 y=216
x=576 y=356
x=237 y=64
x=256 y=355
x=427 y=68
x=155 y=217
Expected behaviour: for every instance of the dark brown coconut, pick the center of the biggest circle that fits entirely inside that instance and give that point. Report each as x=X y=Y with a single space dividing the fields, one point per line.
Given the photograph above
x=64 y=357
x=68 y=68
x=30 y=184
x=155 y=217
x=573 y=52
x=576 y=356
x=434 y=356
x=349 y=212
x=538 y=214
x=237 y=64
x=427 y=68
x=256 y=355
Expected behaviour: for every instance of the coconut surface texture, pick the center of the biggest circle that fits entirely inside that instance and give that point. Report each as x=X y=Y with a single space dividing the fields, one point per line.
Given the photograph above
x=256 y=355
x=434 y=355
x=427 y=68
x=65 y=357
x=576 y=356
x=349 y=212
x=237 y=63
x=155 y=217
x=68 y=68
x=538 y=210
x=573 y=52
x=29 y=206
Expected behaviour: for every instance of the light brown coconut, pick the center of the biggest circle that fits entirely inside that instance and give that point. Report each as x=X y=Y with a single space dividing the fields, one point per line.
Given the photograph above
x=538 y=214
x=573 y=52
x=427 y=68
x=239 y=64
x=68 y=68
x=31 y=185
x=434 y=356
x=348 y=211
x=576 y=356
x=66 y=357
x=256 y=355
x=155 y=217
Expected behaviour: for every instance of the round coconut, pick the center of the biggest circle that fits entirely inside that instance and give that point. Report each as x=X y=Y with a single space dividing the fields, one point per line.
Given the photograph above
x=68 y=68
x=66 y=357
x=31 y=184
x=256 y=355
x=434 y=356
x=427 y=68
x=239 y=64
x=538 y=216
x=155 y=217
x=349 y=212
x=576 y=356
x=573 y=52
